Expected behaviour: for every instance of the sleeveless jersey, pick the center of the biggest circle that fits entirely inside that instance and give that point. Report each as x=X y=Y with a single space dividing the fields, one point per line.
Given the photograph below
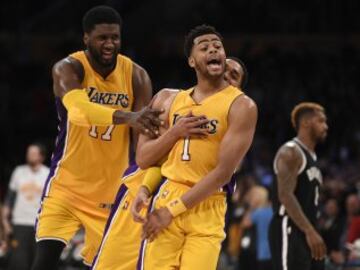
x=192 y=158
x=88 y=162
x=308 y=184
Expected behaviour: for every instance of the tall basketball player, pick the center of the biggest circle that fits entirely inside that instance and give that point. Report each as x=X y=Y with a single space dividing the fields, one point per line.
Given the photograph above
x=96 y=92
x=294 y=240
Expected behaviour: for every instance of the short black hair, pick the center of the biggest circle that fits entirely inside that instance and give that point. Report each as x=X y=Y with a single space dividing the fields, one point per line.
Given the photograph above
x=246 y=73
x=99 y=15
x=199 y=30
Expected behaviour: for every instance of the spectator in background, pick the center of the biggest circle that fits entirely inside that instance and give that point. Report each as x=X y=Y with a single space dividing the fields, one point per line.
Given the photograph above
x=260 y=215
x=21 y=205
x=331 y=227
x=352 y=209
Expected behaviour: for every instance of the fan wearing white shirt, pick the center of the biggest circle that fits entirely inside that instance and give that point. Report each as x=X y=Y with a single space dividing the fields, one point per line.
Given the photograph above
x=21 y=206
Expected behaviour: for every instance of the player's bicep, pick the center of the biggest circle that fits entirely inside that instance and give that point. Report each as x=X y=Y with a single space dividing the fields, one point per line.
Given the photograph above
x=142 y=87
x=287 y=164
x=154 y=104
x=65 y=77
x=239 y=136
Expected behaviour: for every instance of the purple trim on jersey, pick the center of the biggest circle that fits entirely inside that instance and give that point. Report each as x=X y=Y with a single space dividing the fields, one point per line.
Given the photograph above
x=139 y=264
x=58 y=151
x=119 y=196
x=229 y=188
x=59 y=143
x=131 y=169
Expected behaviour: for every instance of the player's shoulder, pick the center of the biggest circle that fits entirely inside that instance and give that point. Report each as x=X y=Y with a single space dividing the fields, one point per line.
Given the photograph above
x=245 y=102
x=245 y=106
x=290 y=151
x=167 y=92
x=165 y=97
x=68 y=64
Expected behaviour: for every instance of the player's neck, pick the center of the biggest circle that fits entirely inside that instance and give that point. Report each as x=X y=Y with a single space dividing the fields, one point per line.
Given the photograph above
x=307 y=141
x=206 y=88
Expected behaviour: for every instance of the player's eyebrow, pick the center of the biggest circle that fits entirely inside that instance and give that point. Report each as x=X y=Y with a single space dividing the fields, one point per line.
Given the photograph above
x=207 y=40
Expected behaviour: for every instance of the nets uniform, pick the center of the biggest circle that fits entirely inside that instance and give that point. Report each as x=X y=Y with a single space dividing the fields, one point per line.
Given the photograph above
x=87 y=162
x=193 y=239
x=289 y=249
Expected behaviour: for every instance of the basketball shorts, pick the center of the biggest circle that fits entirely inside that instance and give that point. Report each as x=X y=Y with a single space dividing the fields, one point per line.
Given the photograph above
x=192 y=240
x=288 y=246
x=60 y=219
x=121 y=242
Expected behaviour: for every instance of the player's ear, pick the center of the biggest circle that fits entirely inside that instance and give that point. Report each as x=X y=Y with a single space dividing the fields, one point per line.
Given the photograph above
x=86 y=39
x=191 y=61
x=306 y=122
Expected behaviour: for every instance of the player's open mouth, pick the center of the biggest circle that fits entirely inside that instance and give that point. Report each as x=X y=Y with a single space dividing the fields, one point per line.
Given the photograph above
x=214 y=64
x=107 y=55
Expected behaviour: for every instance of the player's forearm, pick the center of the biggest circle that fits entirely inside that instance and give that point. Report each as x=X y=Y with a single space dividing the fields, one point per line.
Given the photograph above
x=295 y=212
x=145 y=156
x=210 y=184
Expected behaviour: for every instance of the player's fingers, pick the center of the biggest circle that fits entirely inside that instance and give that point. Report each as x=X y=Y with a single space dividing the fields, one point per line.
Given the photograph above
x=138 y=217
x=322 y=251
x=198 y=132
x=155 y=112
x=318 y=252
x=150 y=130
x=189 y=114
x=312 y=249
x=155 y=120
x=198 y=123
x=145 y=231
x=325 y=250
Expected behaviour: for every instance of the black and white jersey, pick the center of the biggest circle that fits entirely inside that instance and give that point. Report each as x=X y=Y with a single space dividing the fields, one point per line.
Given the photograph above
x=308 y=183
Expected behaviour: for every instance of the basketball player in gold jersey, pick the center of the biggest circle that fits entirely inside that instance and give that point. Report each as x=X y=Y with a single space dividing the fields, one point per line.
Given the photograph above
x=99 y=96
x=189 y=208
x=122 y=233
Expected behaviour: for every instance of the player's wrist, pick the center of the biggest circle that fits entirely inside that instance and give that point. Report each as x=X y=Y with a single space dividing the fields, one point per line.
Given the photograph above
x=176 y=207
x=120 y=117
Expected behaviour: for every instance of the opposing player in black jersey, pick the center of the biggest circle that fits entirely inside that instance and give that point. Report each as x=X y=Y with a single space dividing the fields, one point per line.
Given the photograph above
x=294 y=240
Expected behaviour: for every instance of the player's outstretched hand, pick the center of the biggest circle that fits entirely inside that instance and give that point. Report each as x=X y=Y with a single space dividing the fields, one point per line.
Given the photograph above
x=156 y=221
x=146 y=121
x=140 y=202
x=316 y=244
x=190 y=125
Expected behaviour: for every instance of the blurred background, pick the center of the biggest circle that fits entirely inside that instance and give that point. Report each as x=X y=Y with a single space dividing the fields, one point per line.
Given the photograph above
x=294 y=51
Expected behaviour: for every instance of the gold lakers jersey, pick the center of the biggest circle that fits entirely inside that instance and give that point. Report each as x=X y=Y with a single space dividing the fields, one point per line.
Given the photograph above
x=88 y=162
x=192 y=158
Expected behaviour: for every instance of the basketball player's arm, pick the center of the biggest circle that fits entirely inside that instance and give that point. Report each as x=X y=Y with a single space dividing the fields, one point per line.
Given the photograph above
x=288 y=164
x=236 y=142
x=67 y=77
x=142 y=90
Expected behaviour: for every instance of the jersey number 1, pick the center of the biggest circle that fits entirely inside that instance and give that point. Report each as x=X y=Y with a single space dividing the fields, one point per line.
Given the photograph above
x=185 y=156
x=106 y=136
